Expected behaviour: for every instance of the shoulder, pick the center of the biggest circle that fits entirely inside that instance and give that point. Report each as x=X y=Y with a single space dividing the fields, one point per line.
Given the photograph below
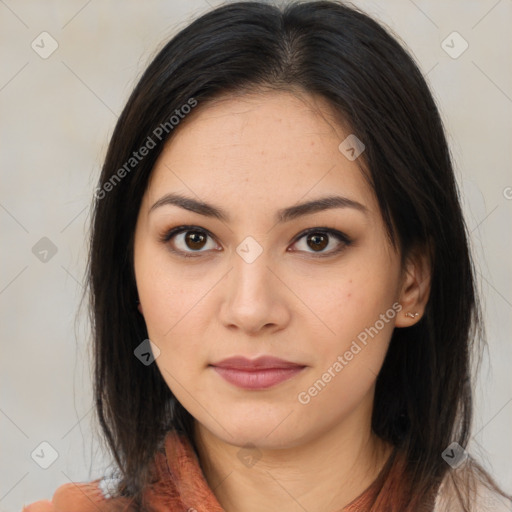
x=470 y=486
x=81 y=497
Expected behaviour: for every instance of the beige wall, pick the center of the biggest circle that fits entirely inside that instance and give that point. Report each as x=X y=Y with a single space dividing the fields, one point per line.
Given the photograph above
x=56 y=116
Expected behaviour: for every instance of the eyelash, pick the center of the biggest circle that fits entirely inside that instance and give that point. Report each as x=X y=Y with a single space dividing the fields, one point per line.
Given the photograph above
x=341 y=237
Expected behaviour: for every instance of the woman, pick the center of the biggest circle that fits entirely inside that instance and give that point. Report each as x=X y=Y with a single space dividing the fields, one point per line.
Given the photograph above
x=282 y=294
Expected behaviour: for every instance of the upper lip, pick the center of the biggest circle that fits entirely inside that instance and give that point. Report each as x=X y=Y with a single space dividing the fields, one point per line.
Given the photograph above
x=260 y=363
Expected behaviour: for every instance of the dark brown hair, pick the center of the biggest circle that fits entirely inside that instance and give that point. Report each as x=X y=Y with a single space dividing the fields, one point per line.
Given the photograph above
x=423 y=399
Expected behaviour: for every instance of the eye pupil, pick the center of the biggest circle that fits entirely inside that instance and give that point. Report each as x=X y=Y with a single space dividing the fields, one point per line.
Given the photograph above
x=316 y=241
x=194 y=237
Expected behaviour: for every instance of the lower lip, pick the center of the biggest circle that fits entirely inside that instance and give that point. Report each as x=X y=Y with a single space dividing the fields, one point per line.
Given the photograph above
x=257 y=379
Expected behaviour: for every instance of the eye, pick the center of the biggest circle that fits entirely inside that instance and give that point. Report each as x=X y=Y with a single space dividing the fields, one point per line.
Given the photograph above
x=187 y=240
x=318 y=239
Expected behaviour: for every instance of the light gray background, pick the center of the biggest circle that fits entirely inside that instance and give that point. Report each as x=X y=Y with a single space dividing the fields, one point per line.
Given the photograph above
x=57 y=115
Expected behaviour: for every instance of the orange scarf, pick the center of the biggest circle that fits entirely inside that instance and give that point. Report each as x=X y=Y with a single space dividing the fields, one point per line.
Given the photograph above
x=179 y=485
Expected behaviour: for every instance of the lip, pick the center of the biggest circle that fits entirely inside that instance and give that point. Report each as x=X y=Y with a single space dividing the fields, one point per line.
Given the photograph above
x=260 y=373
x=259 y=363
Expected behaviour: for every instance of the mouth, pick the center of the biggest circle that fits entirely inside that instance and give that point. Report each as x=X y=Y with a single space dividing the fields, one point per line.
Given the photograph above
x=261 y=373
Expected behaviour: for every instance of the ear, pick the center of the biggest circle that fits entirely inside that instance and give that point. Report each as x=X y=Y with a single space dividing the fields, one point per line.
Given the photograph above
x=415 y=288
x=139 y=307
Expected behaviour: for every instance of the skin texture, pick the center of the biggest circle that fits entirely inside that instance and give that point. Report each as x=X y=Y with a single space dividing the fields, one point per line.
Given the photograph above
x=252 y=155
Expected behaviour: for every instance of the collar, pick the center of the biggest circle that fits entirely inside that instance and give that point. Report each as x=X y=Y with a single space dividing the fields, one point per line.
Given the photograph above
x=180 y=483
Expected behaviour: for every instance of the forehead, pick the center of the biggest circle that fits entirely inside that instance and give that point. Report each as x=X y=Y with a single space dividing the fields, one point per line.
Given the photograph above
x=268 y=149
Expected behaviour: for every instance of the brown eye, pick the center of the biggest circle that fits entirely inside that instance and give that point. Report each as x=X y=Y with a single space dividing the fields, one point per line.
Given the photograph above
x=188 y=241
x=195 y=240
x=317 y=241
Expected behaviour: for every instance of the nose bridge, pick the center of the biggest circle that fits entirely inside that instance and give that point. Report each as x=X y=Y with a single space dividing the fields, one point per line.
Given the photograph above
x=251 y=274
x=250 y=300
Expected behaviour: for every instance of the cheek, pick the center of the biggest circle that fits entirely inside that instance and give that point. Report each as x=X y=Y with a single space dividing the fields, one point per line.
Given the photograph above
x=353 y=318
x=171 y=294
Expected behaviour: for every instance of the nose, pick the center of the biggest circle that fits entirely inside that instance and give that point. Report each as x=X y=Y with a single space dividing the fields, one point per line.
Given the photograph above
x=254 y=297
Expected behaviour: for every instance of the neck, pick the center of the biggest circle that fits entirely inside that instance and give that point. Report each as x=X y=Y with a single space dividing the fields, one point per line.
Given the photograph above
x=325 y=474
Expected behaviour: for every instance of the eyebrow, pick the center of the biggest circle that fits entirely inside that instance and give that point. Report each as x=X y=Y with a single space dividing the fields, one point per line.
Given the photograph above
x=283 y=215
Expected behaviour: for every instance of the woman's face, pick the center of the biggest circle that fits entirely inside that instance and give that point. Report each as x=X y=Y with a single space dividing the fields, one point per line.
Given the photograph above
x=255 y=283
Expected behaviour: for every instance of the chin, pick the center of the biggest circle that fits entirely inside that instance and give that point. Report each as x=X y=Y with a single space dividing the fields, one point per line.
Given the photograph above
x=253 y=429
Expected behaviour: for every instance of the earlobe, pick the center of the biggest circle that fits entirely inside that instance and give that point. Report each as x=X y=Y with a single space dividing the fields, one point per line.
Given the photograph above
x=415 y=289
